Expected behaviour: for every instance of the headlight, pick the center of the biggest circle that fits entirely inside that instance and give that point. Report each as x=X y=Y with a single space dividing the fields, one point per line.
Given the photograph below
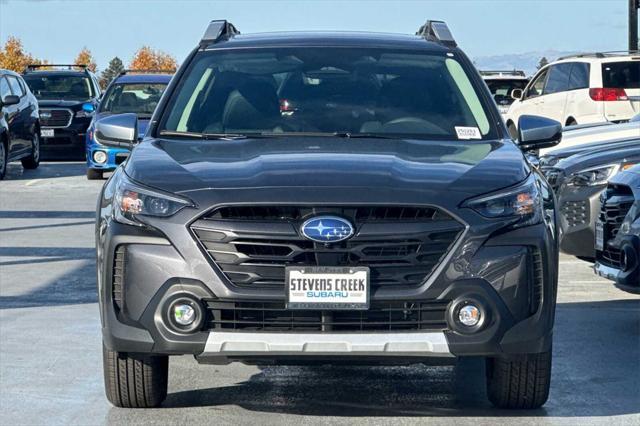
x=133 y=200
x=100 y=157
x=522 y=202
x=593 y=176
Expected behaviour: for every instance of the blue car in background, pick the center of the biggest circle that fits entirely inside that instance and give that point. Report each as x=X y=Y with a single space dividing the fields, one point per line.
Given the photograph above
x=132 y=91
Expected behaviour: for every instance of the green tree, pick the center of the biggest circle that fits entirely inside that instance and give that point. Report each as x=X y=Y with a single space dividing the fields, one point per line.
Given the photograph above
x=114 y=68
x=543 y=62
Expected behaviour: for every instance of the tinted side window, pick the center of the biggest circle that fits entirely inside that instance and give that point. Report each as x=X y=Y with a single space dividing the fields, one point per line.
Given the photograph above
x=558 y=79
x=579 y=78
x=538 y=85
x=4 y=87
x=621 y=75
x=15 y=86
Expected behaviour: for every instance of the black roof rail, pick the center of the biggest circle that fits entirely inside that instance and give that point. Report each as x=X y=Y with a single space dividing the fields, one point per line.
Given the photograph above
x=437 y=31
x=149 y=71
x=599 y=55
x=218 y=30
x=33 y=67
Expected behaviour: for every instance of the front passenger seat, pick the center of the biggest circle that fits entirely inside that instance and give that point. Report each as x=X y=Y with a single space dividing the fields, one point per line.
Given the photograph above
x=254 y=106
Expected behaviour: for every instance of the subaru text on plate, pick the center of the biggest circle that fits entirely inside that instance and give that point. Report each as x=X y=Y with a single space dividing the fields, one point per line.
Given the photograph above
x=325 y=198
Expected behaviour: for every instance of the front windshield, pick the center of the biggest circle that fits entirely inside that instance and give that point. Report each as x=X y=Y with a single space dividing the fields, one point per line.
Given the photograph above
x=501 y=89
x=328 y=90
x=138 y=98
x=67 y=87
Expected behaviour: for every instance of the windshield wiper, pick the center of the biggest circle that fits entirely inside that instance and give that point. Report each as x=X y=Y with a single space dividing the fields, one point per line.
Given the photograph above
x=364 y=135
x=207 y=136
x=328 y=134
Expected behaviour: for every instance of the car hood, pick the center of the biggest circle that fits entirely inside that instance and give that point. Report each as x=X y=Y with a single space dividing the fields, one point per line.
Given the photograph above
x=426 y=166
x=600 y=157
x=61 y=103
x=593 y=147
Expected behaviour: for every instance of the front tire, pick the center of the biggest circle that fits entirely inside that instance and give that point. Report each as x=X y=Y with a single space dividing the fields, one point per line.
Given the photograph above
x=521 y=383
x=135 y=381
x=93 y=174
x=33 y=161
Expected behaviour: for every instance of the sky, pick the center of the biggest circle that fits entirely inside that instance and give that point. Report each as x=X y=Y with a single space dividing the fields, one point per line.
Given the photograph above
x=56 y=30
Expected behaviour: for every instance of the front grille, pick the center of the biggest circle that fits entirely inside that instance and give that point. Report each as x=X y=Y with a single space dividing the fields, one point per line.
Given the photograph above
x=118 y=276
x=618 y=202
x=274 y=317
x=359 y=214
x=253 y=245
x=576 y=213
x=58 y=117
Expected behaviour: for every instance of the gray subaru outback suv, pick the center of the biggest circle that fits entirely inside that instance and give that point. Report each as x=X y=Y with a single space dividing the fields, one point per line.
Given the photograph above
x=307 y=198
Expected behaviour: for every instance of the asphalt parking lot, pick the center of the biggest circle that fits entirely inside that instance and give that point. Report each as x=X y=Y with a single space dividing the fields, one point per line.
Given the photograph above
x=51 y=366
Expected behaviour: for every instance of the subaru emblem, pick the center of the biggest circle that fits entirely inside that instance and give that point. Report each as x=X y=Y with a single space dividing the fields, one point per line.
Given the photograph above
x=327 y=229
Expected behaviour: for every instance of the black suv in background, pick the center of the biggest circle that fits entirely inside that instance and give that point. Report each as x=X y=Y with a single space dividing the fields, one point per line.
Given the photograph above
x=326 y=198
x=19 y=128
x=618 y=231
x=67 y=98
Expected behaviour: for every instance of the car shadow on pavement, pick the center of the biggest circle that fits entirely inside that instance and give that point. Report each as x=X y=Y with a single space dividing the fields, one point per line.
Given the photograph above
x=45 y=171
x=68 y=285
x=595 y=373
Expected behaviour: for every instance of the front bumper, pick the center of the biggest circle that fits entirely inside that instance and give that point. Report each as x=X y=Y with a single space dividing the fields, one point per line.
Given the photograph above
x=627 y=276
x=115 y=157
x=239 y=345
x=67 y=143
x=578 y=208
x=498 y=275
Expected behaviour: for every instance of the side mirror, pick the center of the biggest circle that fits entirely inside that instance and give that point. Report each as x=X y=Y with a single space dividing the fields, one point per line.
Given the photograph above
x=538 y=132
x=88 y=107
x=118 y=131
x=9 y=100
x=516 y=94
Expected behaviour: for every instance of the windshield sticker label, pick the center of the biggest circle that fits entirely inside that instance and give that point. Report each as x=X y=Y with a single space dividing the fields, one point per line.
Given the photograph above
x=468 y=133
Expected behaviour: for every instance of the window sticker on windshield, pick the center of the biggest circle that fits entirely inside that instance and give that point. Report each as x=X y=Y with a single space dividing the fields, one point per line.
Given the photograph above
x=468 y=132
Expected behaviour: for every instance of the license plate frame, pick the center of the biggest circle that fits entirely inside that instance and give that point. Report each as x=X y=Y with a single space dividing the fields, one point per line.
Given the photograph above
x=599 y=244
x=47 y=133
x=357 y=299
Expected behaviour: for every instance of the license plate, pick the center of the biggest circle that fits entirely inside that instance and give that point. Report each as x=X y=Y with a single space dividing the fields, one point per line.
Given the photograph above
x=324 y=287
x=599 y=236
x=47 y=133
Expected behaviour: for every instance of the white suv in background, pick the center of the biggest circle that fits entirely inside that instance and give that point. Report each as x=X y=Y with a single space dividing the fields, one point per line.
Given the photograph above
x=580 y=89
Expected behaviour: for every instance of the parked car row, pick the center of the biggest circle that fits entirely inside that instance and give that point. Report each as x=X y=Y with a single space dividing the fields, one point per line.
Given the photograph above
x=49 y=112
x=580 y=174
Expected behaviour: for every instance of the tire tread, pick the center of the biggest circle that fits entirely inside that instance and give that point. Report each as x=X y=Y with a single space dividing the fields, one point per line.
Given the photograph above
x=521 y=383
x=135 y=381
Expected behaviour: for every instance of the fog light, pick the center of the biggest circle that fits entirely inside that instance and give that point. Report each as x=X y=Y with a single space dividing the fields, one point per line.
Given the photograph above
x=100 y=157
x=469 y=315
x=183 y=313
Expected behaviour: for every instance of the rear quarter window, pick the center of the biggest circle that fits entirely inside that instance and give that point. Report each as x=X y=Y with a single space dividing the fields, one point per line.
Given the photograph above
x=621 y=75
